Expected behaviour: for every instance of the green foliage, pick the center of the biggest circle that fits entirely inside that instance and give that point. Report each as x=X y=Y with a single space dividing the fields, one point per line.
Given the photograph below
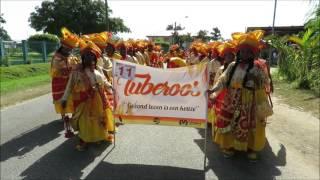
x=216 y=34
x=175 y=28
x=23 y=83
x=186 y=38
x=19 y=77
x=3 y=33
x=35 y=42
x=203 y=35
x=80 y=16
x=299 y=58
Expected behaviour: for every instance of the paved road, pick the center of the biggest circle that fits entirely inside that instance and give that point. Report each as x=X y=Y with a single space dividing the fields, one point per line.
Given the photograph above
x=33 y=147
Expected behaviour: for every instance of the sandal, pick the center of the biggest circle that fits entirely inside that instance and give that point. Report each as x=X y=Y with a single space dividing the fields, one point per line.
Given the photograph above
x=227 y=153
x=110 y=138
x=252 y=156
x=81 y=146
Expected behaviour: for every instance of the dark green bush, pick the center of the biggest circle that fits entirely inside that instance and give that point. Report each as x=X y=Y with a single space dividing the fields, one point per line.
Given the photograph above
x=35 y=42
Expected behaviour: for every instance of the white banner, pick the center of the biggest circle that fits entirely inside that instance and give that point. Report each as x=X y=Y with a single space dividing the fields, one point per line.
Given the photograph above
x=149 y=95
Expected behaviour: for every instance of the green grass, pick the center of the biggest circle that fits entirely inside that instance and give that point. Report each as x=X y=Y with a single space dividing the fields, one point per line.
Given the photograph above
x=20 y=77
x=303 y=99
x=23 y=83
x=23 y=71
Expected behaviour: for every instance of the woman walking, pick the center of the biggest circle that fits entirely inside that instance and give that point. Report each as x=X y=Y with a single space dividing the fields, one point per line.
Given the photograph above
x=92 y=116
x=242 y=118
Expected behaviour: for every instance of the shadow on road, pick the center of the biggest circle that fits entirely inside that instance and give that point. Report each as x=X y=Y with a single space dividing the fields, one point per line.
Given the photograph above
x=64 y=162
x=143 y=172
x=27 y=141
x=238 y=167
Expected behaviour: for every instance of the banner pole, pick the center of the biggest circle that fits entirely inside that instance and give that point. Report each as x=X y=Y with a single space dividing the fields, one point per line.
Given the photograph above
x=114 y=99
x=206 y=125
x=205 y=149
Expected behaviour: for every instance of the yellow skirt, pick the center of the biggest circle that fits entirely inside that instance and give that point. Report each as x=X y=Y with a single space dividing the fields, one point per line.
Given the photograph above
x=256 y=140
x=210 y=115
x=109 y=121
x=213 y=125
x=69 y=108
x=92 y=122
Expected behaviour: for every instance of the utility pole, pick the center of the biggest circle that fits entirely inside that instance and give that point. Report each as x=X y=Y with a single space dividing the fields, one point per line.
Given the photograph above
x=270 y=49
x=174 y=32
x=274 y=15
x=273 y=22
x=107 y=15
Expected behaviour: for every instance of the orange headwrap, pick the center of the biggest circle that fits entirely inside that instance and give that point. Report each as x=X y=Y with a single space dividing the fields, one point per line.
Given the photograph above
x=120 y=44
x=227 y=47
x=89 y=46
x=213 y=47
x=68 y=39
x=100 y=39
x=157 y=48
x=249 y=40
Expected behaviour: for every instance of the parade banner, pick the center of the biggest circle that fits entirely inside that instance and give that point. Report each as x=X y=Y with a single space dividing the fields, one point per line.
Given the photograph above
x=146 y=95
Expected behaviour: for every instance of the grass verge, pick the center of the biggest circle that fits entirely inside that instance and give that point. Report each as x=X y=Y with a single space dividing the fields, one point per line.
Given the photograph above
x=23 y=71
x=302 y=99
x=22 y=82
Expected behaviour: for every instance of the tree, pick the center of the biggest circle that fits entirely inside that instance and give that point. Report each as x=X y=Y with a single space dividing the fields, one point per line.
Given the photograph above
x=186 y=38
x=203 y=35
x=299 y=58
x=80 y=16
x=3 y=33
x=216 y=34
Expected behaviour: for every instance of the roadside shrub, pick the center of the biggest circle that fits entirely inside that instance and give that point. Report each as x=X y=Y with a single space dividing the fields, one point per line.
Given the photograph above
x=35 y=42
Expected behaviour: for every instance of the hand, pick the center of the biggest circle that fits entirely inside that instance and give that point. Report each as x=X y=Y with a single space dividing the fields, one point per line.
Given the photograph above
x=210 y=91
x=112 y=89
x=271 y=87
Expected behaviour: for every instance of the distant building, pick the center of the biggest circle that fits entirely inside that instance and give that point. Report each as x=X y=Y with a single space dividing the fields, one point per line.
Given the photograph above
x=164 y=38
x=278 y=30
x=163 y=41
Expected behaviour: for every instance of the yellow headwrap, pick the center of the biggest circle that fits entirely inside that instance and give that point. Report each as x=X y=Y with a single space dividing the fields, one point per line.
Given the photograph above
x=249 y=40
x=100 y=39
x=68 y=39
x=89 y=46
x=226 y=47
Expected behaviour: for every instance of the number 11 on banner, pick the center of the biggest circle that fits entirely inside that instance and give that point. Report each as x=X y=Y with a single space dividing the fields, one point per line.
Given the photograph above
x=125 y=71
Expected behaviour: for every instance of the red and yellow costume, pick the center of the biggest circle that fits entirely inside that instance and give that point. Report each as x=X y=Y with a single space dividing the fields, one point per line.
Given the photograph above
x=241 y=117
x=61 y=67
x=93 y=112
x=222 y=49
